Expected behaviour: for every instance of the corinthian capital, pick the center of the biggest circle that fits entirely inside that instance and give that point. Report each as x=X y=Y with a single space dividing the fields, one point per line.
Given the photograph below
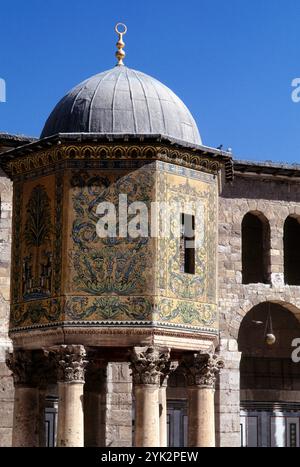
x=70 y=363
x=21 y=365
x=169 y=368
x=201 y=369
x=148 y=364
x=31 y=368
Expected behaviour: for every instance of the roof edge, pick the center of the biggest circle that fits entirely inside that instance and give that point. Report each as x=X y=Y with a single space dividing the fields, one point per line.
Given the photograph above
x=266 y=168
x=66 y=138
x=59 y=138
x=9 y=139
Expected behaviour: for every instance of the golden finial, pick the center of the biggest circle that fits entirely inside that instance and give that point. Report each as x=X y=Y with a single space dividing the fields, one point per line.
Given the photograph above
x=120 y=54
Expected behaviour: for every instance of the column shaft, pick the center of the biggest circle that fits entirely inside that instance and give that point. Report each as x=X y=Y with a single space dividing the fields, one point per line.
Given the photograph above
x=27 y=367
x=163 y=416
x=26 y=417
x=201 y=370
x=147 y=415
x=70 y=426
x=71 y=363
x=201 y=417
x=147 y=365
x=41 y=417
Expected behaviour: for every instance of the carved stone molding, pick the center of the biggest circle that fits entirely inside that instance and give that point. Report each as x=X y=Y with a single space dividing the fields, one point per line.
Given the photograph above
x=70 y=363
x=201 y=369
x=148 y=363
x=18 y=334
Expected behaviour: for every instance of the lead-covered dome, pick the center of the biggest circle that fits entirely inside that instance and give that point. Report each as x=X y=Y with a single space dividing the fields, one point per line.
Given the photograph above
x=126 y=101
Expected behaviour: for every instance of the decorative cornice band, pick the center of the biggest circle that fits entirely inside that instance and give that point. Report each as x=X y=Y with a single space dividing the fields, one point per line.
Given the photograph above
x=113 y=327
x=52 y=156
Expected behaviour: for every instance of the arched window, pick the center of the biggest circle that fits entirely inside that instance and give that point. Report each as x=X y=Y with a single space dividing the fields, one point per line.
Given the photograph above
x=291 y=243
x=269 y=376
x=255 y=248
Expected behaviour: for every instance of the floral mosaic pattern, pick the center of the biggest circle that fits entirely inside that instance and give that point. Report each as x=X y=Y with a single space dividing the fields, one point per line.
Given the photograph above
x=200 y=195
x=108 y=309
x=36 y=312
x=187 y=313
x=108 y=265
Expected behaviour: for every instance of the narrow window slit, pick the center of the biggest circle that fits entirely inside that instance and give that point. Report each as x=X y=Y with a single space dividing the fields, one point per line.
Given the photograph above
x=187 y=243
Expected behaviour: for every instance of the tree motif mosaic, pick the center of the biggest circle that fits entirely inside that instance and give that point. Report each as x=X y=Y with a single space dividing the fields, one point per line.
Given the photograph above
x=37 y=264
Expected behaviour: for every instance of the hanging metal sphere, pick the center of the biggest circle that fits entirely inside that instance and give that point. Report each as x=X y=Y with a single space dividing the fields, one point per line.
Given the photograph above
x=270 y=339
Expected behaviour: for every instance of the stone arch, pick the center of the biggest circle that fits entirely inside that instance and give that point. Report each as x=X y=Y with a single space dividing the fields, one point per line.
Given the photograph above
x=256 y=238
x=291 y=246
x=238 y=316
x=260 y=309
x=269 y=378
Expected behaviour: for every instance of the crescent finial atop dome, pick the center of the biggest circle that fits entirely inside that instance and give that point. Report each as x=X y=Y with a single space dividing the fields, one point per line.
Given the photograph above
x=120 y=54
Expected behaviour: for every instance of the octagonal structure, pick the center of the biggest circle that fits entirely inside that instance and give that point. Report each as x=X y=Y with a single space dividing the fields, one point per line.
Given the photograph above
x=69 y=283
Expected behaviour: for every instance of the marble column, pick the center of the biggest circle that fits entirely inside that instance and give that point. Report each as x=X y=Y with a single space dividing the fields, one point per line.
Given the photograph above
x=71 y=363
x=45 y=374
x=42 y=409
x=201 y=371
x=95 y=405
x=147 y=365
x=163 y=414
x=26 y=400
x=168 y=369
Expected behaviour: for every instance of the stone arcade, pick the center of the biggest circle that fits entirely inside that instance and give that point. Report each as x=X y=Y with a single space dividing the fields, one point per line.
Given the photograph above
x=106 y=332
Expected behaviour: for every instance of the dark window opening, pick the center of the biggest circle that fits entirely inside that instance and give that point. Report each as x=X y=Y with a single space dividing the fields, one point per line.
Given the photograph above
x=263 y=366
x=187 y=244
x=255 y=249
x=291 y=251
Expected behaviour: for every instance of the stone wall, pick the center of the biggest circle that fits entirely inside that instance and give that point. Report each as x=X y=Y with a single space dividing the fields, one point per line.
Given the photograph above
x=119 y=405
x=6 y=384
x=276 y=198
x=108 y=407
x=227 y=397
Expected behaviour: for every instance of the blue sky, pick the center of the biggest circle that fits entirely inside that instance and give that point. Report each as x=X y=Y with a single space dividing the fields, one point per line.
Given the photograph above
x=232 y=62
